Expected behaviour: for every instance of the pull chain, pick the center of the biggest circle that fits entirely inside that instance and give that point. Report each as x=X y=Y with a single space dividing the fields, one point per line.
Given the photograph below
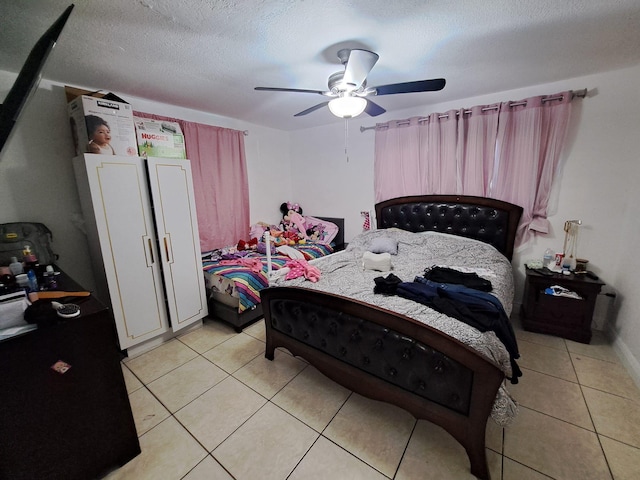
x=346 y=139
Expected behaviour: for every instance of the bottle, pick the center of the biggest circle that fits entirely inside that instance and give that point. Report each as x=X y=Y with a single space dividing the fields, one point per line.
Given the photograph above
x=50 y=278
x=548 y=258
x=33 y=281
x=29 y=258
x=22 y=281
x=15 y=267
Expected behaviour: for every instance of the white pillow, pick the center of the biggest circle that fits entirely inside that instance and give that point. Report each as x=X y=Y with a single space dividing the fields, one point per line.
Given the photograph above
x=384 y=245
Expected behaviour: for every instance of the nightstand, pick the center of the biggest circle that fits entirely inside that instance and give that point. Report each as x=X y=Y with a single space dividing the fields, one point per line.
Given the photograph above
x=555 y=315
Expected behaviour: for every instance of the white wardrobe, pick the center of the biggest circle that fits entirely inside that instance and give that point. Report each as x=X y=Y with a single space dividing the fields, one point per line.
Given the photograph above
x=143 y=238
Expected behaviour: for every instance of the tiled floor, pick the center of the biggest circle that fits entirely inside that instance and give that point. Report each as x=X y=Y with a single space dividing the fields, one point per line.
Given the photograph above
x=208 y=405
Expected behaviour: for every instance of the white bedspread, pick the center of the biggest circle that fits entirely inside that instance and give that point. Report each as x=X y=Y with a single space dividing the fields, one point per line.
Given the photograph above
x=342 y=274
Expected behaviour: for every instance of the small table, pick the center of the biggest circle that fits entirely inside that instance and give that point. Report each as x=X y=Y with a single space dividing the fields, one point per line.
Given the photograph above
x=557 y=315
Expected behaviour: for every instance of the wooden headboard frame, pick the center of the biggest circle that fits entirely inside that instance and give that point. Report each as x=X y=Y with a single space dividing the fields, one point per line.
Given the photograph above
x=491 y=221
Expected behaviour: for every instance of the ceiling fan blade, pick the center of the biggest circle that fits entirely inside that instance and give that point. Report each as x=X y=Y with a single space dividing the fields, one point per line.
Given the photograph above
x=299 y=90
x=373 y=109
x=358 y=67
x=411 y=87
x=312 y=109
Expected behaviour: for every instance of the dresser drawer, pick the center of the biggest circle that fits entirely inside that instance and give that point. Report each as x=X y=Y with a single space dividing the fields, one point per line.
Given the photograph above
x=562 y=310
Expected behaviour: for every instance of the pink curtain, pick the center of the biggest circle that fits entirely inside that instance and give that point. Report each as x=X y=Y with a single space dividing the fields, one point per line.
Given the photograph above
x=476 y=149
x=442 y=153
x=403 y=175
x=529 y=144
x=439 y=152
x=220 y=181
x=507 y=151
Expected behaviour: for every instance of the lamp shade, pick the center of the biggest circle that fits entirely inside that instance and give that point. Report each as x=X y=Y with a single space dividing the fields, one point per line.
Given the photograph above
x=347 y=107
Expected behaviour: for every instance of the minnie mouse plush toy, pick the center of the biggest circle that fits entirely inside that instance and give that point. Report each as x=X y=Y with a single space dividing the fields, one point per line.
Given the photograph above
x=292 y=218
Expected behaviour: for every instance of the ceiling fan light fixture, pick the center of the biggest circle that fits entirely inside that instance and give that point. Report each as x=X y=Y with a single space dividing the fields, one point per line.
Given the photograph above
x=347 y=106
x=348 y=87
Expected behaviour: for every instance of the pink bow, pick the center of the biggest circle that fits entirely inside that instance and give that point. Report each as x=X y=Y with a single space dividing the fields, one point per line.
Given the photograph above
x=293 y=206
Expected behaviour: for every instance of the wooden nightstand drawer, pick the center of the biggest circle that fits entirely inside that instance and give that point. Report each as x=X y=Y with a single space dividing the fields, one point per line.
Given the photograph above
x=568 y=311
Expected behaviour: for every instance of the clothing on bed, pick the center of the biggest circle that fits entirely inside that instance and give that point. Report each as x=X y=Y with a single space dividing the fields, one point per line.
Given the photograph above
x=386 y=285
x=342 y=274
x=474 y=307
x=254 y=264
x=302 y=268
x=449 y=275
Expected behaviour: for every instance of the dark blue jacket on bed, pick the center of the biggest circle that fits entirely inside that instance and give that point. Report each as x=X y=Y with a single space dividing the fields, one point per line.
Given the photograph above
x=474 y=307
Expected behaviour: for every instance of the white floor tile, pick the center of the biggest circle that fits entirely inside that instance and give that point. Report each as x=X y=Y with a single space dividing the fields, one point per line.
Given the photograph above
x=248 y=417
x=375 y=432
x=212 y=417
x=182 y=385
x=268 y=446
x=168 y=452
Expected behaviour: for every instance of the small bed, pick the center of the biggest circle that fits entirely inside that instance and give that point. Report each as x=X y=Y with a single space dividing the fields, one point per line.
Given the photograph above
x=455 y=379
x=233 y=289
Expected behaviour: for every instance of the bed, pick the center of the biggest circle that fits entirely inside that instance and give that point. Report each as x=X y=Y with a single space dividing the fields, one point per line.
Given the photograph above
x=233 y=290
x=456 y=379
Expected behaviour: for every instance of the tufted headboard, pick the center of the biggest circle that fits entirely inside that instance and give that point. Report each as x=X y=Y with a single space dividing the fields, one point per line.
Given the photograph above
x=485 y=219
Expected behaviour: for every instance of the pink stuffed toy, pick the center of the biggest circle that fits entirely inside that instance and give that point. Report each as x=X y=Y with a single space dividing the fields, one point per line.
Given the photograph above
x=292 y=218
x=298 y=221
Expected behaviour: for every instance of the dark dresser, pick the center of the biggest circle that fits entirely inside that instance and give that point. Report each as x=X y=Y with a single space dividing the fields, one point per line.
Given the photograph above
x=72 y=425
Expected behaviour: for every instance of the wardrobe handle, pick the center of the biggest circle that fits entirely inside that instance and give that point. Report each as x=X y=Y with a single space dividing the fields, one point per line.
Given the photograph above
x=151 y=250
x=166 y=250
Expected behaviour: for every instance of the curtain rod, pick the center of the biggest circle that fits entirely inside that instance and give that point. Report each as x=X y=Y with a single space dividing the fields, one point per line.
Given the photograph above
x=574 y=93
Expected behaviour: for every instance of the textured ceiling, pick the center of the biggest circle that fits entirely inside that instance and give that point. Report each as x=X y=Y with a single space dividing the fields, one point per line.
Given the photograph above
x=209 y=55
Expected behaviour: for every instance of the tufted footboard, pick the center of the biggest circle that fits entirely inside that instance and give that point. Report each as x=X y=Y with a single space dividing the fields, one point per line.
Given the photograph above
x=388 y=357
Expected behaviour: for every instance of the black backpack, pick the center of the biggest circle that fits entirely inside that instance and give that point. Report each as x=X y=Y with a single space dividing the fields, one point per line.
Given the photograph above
x=15 y=236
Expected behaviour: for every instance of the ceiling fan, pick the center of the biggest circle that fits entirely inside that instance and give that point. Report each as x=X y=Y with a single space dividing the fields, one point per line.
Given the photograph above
x=349 y=90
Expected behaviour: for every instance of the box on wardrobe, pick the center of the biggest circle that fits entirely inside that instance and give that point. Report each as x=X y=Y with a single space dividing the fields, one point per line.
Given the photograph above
x=101 y=123
x=159 y=138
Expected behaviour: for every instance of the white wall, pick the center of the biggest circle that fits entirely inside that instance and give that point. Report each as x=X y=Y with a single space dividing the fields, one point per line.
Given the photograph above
x=598 y=185
x=37 y=181
x=329 y=182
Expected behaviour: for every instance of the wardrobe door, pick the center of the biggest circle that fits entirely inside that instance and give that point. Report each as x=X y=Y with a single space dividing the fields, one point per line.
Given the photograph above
x=119 y=208
x=171 y=186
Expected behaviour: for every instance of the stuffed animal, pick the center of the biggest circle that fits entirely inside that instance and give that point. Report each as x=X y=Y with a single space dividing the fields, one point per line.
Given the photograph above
x=286 y=207
x=258 y=229
x=291 y=236
x=292 y=218
x=250 y=245
x=262 y=248
x=277 y=237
